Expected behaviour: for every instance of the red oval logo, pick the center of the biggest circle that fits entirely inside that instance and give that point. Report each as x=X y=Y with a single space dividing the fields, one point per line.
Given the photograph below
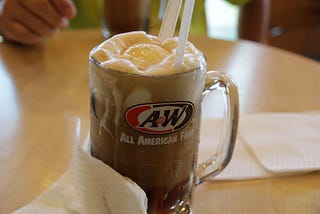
x=160 y=118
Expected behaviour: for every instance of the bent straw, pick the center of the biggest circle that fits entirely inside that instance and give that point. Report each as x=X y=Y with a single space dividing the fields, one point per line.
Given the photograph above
x=170 y=19
x=184 y=31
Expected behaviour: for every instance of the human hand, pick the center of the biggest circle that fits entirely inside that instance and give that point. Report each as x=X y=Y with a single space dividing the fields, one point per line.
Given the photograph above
x=30 y=21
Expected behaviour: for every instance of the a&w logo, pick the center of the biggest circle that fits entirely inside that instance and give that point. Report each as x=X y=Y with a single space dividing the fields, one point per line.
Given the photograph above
x=160 y=118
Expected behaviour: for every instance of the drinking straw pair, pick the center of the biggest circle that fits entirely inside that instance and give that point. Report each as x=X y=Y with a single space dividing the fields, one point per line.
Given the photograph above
x=169 y=24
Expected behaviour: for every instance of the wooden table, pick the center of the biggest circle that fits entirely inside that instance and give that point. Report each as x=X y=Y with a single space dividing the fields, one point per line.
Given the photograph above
x=42 y=90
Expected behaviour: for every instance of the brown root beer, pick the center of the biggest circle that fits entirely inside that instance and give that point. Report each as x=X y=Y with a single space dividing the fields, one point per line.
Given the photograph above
x=121 y=16
x=145 y=115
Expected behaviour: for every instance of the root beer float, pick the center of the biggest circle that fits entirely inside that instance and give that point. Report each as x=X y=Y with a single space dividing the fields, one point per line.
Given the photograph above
x=145 y=116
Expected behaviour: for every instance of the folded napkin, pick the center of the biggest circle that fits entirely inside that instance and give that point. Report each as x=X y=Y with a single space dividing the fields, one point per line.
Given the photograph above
x=268 y=144
x=89 y=186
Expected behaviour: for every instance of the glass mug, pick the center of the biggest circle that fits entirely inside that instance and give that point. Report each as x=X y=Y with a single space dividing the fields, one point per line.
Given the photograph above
x=147 y=128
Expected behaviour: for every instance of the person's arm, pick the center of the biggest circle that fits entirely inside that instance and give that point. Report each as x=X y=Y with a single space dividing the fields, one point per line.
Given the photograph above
x=30 y=21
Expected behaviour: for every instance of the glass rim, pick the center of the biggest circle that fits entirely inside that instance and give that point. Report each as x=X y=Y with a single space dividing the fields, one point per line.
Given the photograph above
x=189 y=72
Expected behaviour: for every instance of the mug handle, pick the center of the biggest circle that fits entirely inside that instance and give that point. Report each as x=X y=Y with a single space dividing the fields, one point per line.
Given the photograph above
x=216 y=163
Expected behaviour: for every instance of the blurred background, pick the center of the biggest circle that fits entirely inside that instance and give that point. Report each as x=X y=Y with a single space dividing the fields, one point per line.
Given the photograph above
x=222 y=19
x=292 y=25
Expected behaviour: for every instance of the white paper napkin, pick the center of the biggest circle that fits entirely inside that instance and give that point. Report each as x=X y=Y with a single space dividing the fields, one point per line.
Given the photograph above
x=89 y=186
x=284 y=142
x=268 y=144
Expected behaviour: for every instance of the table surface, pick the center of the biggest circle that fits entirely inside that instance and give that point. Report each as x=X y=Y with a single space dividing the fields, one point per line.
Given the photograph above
x=43 y=89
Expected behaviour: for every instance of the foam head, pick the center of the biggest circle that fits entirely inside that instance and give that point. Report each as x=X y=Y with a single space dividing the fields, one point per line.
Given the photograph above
x=140 y=53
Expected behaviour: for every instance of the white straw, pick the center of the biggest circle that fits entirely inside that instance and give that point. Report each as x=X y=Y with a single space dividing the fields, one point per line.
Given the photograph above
x=184 y=31
x=170 y=19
